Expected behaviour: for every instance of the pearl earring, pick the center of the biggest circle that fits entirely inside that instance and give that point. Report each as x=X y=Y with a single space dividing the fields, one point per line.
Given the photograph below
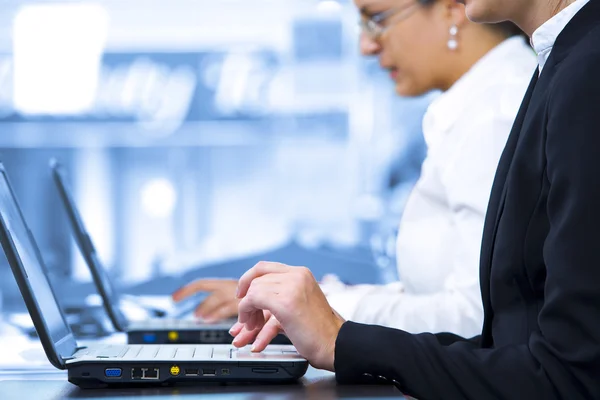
x=452 y=42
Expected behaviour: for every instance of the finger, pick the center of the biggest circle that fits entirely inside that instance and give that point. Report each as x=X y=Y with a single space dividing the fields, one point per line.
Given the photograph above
x=245 y=337
x=254 y=320
x=271 y=329
x=260 y=269
x=201 y=285
x=226 y=310
x=263 y=295
x=236 y=329
x=210 y=305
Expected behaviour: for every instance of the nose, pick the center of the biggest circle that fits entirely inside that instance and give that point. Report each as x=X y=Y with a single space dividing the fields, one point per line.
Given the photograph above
x=369 y=46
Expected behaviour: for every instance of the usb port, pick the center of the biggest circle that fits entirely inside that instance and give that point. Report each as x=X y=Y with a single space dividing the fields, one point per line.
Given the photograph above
x=150 y=373
x=192 y=372
x=209 y=372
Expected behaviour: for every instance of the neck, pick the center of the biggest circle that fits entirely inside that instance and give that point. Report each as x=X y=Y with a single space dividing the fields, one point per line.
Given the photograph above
x=538 y=12
x=470 y=51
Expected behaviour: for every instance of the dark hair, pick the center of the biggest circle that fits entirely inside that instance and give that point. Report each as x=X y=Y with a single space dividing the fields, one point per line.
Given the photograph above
x=508 y=29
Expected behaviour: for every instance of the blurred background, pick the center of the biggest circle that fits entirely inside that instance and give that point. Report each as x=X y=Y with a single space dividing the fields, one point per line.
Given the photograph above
x=196 y=132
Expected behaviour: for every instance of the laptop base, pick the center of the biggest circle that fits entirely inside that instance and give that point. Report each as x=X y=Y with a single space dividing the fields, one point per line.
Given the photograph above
x=123 y=374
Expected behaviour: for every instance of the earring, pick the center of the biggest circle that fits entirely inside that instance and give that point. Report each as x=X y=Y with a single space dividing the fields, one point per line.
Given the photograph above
x=452 y=42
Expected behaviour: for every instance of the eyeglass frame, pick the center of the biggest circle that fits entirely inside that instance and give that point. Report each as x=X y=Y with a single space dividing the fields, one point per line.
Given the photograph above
x=372 y=25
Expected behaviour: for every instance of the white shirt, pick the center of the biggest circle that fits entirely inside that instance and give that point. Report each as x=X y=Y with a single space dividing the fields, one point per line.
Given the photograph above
x=439 y=239
x=544 y=37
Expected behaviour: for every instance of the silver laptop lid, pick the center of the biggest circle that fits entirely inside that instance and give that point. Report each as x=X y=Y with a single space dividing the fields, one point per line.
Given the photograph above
x=27 y=266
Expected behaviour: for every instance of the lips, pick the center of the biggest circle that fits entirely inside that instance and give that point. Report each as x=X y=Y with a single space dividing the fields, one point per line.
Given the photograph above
x=393 y=73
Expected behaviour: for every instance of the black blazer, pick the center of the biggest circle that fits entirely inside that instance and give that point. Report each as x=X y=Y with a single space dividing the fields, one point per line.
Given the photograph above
x=540 y=257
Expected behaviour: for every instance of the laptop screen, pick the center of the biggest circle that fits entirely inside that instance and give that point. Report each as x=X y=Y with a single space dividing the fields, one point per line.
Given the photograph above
x=84 y=242
x=27 y=252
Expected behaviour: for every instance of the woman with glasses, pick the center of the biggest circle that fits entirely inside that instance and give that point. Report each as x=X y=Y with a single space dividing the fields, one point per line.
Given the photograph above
x=431 y=45
x=427 y=45
x=540 y=263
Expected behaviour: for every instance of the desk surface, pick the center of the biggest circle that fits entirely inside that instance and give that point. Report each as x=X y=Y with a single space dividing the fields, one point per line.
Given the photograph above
x=318 y=385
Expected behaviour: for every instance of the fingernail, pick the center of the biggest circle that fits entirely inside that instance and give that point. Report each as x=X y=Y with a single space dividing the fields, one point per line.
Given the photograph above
x=237 y=293
x=253 y=348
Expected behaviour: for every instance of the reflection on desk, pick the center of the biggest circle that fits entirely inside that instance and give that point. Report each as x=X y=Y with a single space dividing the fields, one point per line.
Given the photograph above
x=318 y=385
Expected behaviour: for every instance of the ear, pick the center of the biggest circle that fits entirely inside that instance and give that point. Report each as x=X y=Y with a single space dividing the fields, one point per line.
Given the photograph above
x=455 y=12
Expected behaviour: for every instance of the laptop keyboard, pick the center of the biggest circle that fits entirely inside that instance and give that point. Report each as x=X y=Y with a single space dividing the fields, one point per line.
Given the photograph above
x=182 y=352
x=169 y=323
x=168 y=352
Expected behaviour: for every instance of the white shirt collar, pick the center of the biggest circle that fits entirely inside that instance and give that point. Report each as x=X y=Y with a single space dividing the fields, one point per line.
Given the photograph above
x=544 y=37
x=445 y=109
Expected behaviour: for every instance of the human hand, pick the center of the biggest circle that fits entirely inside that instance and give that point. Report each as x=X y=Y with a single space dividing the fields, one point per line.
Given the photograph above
x=278 y=298
x=220 y=304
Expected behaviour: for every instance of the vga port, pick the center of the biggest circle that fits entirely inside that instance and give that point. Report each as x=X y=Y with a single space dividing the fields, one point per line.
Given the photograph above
x=113 y=372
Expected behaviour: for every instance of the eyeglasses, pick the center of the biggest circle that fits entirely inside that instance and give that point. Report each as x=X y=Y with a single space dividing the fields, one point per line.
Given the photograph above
x=375 y=25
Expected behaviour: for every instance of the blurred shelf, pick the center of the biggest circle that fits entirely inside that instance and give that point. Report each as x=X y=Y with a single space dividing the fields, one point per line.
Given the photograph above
x=216 y=133
x=127 y=134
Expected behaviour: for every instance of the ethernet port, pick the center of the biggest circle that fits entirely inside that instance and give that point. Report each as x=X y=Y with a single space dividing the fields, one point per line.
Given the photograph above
x=136 y=373
x=150 y=373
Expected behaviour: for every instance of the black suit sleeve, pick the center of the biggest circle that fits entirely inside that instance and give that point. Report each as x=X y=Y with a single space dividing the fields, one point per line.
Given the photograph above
x=447 y=338
x=562 y=360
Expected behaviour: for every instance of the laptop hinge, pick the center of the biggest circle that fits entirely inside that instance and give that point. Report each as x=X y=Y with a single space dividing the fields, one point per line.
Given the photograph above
x=73 y=356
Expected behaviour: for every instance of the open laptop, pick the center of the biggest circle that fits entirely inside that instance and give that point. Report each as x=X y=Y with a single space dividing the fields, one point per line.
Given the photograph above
x=105 y=365
x=172 y=328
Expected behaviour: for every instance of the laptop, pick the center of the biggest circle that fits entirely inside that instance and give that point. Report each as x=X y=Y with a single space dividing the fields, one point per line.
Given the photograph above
x=172 y=328
x=104 y=365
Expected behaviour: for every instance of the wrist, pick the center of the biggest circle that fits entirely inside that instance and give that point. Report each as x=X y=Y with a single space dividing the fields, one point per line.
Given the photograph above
x=328 y=362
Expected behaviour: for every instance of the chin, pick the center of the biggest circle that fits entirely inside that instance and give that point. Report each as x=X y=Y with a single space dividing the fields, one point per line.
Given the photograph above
x=404 y=90
x=479 y=11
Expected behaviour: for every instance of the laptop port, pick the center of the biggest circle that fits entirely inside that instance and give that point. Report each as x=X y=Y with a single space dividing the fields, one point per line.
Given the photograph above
x=265 y=370
x=113 y=372
x=149 y=338
x=192 y=372
x=209 y=372
x=150 y=373
x=136 y=373
x=225 y=371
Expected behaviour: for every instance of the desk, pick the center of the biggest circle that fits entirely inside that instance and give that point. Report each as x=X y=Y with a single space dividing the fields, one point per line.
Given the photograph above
x=317 y=385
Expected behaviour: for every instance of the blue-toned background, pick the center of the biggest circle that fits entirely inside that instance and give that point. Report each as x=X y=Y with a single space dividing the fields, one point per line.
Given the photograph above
x=195 y=132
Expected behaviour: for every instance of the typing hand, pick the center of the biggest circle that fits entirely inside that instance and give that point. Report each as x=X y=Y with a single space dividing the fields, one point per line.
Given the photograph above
x=279 y=298
x=260 y=336
x=220 y=304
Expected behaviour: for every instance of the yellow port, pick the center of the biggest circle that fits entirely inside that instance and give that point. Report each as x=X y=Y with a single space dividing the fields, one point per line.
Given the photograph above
x=173 y=336
x=175 y=370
